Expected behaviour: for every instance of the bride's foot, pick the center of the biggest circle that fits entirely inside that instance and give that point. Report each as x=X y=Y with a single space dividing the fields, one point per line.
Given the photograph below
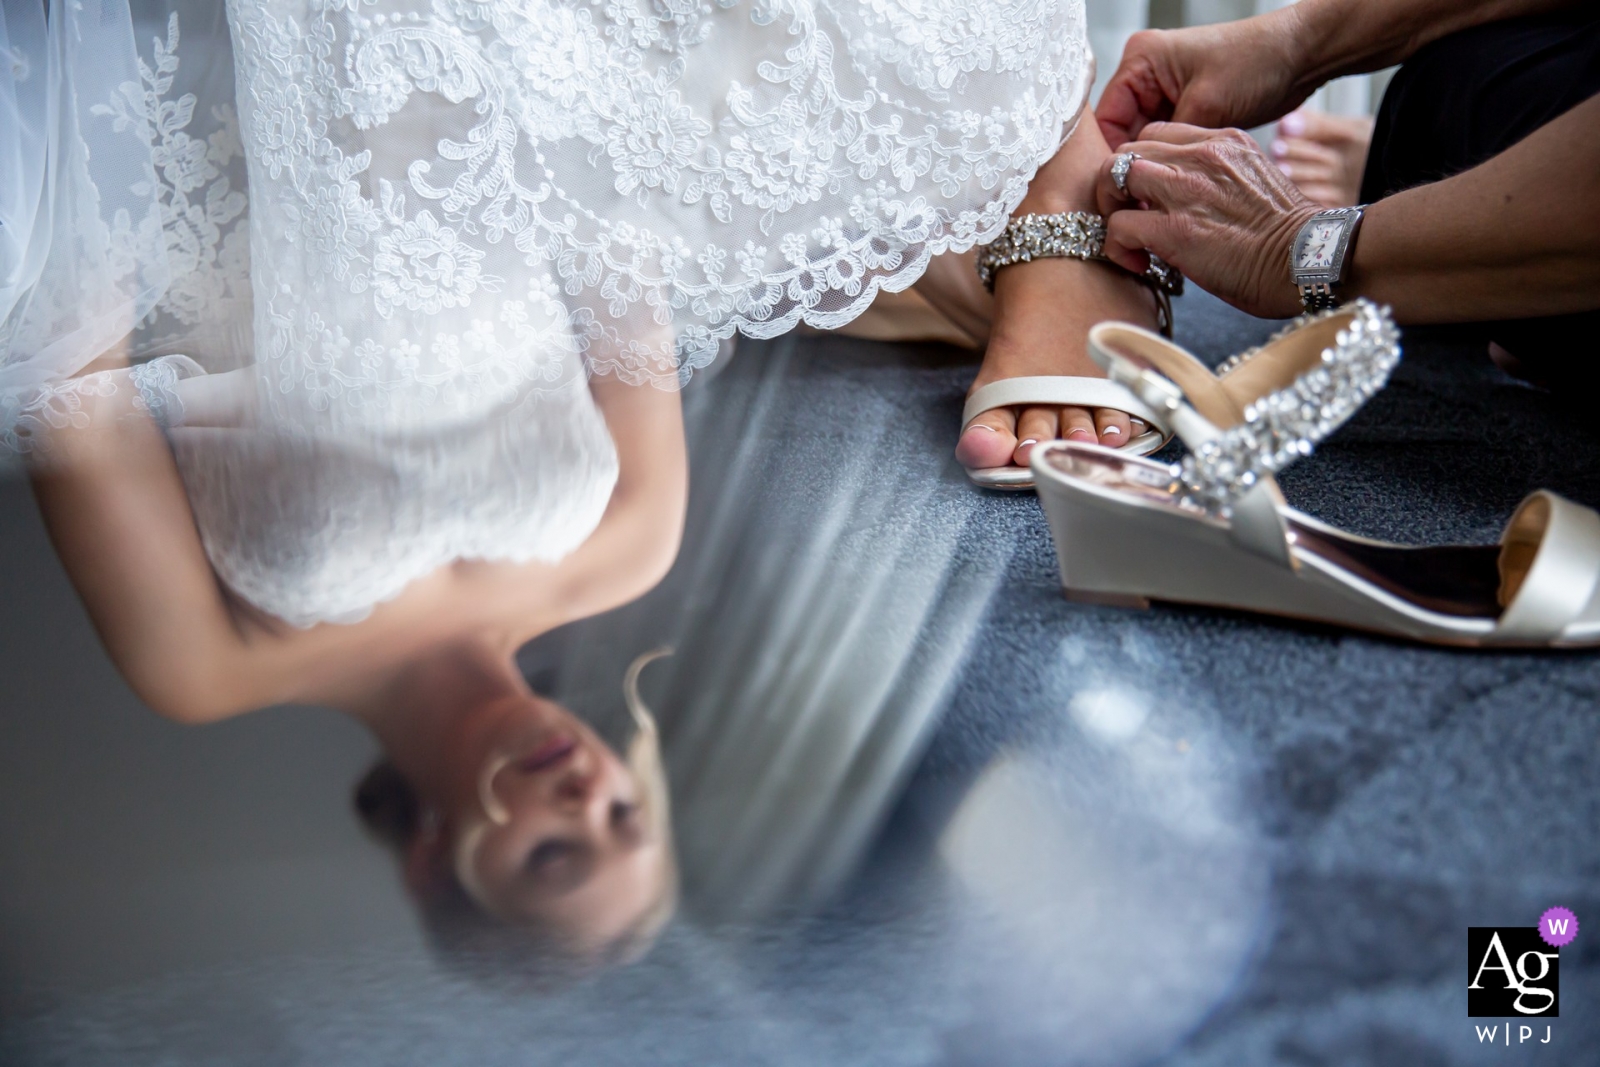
x=1042 y=314
x=1039 y=322
x=1325 y=155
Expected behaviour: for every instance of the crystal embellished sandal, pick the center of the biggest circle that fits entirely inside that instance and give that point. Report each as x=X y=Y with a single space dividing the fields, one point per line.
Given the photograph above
x=1214 y=530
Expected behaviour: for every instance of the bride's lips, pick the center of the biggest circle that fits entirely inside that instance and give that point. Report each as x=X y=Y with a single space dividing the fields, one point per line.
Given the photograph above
x=550 y=754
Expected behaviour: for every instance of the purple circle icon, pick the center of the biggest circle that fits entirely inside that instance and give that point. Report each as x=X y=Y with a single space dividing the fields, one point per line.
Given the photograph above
x=1558 y=926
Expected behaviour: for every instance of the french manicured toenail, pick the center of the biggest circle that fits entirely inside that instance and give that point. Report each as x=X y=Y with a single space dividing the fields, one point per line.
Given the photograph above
x=1080 y=434
x=981 y=426
x=1029 y=441
x=1109 y=430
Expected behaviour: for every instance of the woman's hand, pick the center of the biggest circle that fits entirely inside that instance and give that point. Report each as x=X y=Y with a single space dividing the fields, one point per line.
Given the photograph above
x=1250 y=72
x=1242 y=73
x=1213 y=205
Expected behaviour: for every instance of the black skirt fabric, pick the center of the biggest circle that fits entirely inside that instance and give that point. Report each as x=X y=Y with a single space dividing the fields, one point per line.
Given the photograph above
x=1470 y=96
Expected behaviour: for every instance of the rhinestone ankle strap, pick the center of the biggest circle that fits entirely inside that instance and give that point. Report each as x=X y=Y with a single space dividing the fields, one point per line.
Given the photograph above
x=1224 y=465
x=1069 y=235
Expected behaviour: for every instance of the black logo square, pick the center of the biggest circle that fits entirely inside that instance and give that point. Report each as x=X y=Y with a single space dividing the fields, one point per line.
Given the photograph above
x=1512 y=973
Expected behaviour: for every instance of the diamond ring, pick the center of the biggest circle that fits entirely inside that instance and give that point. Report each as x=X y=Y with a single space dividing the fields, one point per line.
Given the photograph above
x=1119 y=170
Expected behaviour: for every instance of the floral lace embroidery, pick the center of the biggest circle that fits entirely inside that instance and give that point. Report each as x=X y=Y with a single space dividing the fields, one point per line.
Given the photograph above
x=27 y=418
x=156 y=383
x=580 y=145
x=205 y=218
x=181 y=236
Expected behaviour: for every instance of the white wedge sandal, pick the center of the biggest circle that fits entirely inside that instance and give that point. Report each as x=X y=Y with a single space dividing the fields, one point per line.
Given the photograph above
x=1058 y=391
x=1214 y=530
x=1075 y=235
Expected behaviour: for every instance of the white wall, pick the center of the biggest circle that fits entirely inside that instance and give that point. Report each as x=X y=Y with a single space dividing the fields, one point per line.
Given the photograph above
x=1111 y=23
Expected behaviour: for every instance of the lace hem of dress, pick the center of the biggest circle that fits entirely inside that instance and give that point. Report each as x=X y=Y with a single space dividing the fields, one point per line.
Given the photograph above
x=157 y=384
x=28 y=417
x=698 y=346
x=593 y=194
x=909 y=129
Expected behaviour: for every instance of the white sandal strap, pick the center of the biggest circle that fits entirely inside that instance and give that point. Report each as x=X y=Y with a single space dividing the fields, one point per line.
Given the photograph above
x=1545 y=595
x=1058 y=391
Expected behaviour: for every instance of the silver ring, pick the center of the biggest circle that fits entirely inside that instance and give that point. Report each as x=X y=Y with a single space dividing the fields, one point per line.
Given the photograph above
x=1120 y=166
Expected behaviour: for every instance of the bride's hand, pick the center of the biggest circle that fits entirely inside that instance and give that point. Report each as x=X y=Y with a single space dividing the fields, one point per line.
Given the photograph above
x=1243 y=73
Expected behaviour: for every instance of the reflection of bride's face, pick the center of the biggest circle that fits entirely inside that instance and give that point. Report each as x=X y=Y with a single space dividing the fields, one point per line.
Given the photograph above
x=566 y=845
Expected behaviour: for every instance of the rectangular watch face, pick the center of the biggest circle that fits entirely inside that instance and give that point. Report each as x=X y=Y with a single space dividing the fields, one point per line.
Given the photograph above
x=1319 y=246
x=1319 y=250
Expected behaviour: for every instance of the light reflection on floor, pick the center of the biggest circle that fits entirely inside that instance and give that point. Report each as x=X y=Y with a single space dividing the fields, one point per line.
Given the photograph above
x=928 y=813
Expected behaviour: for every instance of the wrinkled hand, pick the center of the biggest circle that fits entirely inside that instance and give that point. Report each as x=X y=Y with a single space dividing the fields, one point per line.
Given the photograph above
x=1212 y=204
x=1242 y=73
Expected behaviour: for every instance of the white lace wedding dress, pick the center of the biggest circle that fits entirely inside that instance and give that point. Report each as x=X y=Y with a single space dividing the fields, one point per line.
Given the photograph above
x=414 y=226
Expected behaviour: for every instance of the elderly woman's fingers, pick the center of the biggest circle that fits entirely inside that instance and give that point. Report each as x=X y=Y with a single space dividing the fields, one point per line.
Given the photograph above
x=1111 y=195
x=1212 y=204
x=1132 y=98
x=1152 y=178
x=1145 y=86
x=1183 y=133
x=1222 y=171
x=1228 y=74
x=1132 y=235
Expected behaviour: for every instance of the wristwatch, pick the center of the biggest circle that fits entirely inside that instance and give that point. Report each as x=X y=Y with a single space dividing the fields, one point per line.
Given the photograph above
x=1321 y=256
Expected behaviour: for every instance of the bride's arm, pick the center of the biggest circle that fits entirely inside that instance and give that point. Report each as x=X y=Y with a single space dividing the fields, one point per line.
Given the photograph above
x=116 y=510
x=637 y=540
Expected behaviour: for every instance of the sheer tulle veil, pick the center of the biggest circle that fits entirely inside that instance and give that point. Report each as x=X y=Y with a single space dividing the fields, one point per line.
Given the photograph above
x=413 y=212
x=82 y=254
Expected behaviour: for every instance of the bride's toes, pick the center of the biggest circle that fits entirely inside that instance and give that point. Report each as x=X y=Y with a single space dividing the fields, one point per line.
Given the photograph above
x=1113 y=427
x=1034 y=425
x=988 y=441
x=1078 y=425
